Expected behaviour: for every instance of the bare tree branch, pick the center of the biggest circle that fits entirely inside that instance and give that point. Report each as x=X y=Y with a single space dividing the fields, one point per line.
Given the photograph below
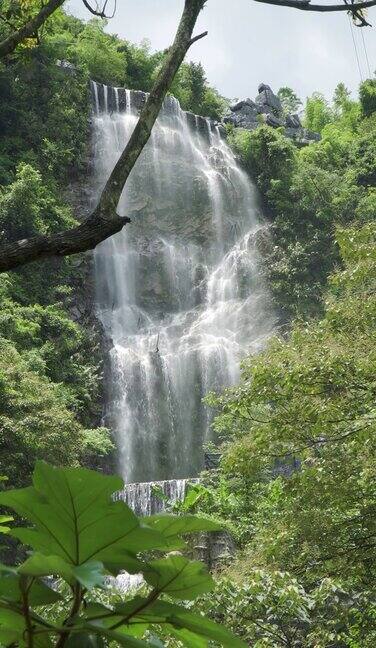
x=196 y=38
x=305 y=5
x=99 y=12
x=8 y=45
x=95 y=12
x=105 y=221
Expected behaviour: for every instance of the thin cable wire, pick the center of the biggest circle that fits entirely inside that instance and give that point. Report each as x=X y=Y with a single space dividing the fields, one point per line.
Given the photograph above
x=366 y=53
x=356 y=49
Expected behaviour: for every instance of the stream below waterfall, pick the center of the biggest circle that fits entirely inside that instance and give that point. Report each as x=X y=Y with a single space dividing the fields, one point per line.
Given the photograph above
x=179 y=292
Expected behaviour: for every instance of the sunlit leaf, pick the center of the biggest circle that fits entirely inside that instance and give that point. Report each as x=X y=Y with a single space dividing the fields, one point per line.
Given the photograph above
x=179 y=577
x=161 y=612
x=5 y=518
x=175 y=525
x=84 y=640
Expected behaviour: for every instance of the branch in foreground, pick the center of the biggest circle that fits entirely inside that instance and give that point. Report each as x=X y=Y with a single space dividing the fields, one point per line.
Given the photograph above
x=104 y=221
x=8 y=45
x=305 y=5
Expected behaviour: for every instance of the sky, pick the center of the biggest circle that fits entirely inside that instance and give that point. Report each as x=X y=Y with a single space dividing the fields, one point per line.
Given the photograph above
x=249 y=43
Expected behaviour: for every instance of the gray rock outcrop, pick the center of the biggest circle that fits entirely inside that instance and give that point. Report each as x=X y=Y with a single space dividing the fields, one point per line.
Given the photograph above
x=267 y=109
x=267 y=98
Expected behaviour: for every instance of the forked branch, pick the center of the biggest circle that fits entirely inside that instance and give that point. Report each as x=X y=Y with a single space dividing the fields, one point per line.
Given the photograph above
x=97 y=11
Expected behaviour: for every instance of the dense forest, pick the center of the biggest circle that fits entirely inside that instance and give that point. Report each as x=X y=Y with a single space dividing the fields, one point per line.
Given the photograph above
x=296 y=482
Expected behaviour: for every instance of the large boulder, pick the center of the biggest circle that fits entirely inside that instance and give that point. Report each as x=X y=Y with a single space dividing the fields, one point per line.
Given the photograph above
x=293 y=121
x=238 y=106
x=244 y=117
x=272 y=120
x=266 y=97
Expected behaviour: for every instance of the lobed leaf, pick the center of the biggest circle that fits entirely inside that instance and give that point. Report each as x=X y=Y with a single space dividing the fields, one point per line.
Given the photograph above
x=75 y=518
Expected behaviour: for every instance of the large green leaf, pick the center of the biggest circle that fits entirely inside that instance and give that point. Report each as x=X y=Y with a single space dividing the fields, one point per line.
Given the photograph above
x=84 y=640
x=10 y=589
x=204 y=627
x=162 y=612
x=76 y=519
x=13 y=629
x=108 y=618
x=40 y=565
x=90 y=574
x=121 y=639
x=12 y=626
x=187 y=638
x=174 y=525
x=179 y=577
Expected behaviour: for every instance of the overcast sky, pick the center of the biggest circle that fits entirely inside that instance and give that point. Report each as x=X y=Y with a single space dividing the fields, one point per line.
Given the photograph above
x=249 y=43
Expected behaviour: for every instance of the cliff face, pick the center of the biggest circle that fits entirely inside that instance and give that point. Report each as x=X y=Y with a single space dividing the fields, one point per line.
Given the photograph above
x=185 y=272
x=267 y=109
x=179 y=290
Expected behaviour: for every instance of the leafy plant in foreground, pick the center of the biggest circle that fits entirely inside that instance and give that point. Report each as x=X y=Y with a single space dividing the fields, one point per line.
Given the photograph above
x=80 y=535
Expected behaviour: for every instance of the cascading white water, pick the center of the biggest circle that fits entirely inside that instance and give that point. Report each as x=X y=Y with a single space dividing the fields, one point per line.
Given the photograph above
x=178 y=290
x=143 y=500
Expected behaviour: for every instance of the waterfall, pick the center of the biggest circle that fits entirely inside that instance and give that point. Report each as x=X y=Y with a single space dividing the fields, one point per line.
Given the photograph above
x=179 y=292
x=143 y=500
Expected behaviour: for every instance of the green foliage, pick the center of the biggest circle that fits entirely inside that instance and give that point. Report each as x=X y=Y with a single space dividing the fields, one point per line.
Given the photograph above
x=142 y=65
x=37 y=417
x=306 y=192
x=271 y=158
x=367 y=96
x=363 y=158
x=341 y=98
x=298 y=437
x=99 y=53
x=191 y=88
x=272 y=610
x=289 y=100
x=317 y=112
x=14 y=14
x=49 y=341
x=28 y=207
x=81 y=535
x=213 y=104
x=44 y=119
x=34 y=419
x=296 y=482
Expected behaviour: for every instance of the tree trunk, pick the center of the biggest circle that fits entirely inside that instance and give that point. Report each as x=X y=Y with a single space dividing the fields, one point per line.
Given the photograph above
x=8 y=45
x=104 y=221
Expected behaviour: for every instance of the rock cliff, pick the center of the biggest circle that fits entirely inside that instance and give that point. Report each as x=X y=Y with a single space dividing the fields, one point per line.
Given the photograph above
x=267 y=109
